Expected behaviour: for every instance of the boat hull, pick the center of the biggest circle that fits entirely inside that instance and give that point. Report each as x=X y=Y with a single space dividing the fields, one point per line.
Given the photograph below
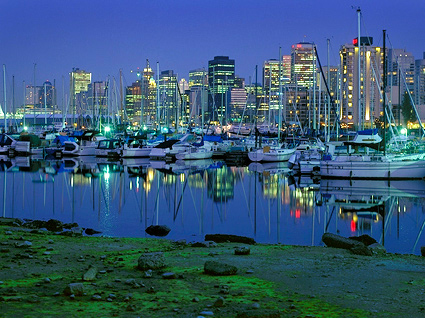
x=400 y=169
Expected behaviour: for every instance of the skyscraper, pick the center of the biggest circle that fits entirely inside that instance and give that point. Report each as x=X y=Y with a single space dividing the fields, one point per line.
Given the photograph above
x=79 y=82
x=303 y=64
x=168 y=98
x=361 y=111
x=198 y=86
x=221 y=77
x=420 y=81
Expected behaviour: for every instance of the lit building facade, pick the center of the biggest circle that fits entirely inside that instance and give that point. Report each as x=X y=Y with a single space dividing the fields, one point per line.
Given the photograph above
x=221 y=77
x=168 y=99
x=198 y=96
x=400 y=78
x=40 y=98
x=419 y=87
x=361 y=111
x=79 y=83
x=303 y=64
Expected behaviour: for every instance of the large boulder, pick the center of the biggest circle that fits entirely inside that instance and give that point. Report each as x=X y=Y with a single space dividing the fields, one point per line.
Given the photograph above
x=333 y=240
x=219 y=269
x=365 y=239
x=158 y=230
x=154 y=260
x=54 y=225
x=223 y=238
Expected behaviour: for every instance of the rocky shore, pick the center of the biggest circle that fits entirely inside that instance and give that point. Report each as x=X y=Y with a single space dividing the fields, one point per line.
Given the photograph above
x=58 y=270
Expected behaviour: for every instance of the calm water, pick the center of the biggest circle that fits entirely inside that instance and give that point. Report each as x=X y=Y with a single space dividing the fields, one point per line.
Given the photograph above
x=198 y=198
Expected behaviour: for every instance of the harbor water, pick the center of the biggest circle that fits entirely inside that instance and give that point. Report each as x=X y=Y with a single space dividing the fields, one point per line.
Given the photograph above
x=195 y=198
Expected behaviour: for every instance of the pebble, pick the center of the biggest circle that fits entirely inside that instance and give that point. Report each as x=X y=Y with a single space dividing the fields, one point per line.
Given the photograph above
x=46 y=253
x=195 y=300
x=169 y=275
x=255 y=305
x=96 y=297
x=207 y=313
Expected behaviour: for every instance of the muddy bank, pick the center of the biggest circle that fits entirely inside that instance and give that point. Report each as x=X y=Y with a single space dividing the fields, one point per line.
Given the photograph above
x=44 y=274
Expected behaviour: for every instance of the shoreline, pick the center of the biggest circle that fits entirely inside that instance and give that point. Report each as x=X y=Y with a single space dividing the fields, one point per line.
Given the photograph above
x=271 y=280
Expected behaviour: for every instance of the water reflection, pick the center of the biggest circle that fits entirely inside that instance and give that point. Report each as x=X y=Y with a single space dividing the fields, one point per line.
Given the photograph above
x=200 y=197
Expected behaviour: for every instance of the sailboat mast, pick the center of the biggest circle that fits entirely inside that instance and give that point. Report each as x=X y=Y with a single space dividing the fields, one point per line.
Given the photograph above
x=384 y=86
x=4 y=95
x=280 y=94
x=359 y=71
x=25 y=104
x=121 y=98
x=329 y=97
x=45 y=107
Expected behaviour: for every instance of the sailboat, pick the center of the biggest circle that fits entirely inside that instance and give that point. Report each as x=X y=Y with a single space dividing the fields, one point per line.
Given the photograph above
x=375 y=165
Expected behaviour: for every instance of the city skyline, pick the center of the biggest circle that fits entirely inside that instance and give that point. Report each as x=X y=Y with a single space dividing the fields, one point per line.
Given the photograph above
x=104 y=37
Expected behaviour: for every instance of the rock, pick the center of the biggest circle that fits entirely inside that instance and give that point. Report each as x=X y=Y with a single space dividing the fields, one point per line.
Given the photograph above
x=91 y=231
x=36 y=224
x=377 y=248
x=259 y=314
x=219 y=302
x=423 y=250
x=96 y=297
x=148 y=274
x=242 y=250
x=151 y=261
x=54 y=225
x=158 y=230
x=222 y=238
x=131 y=308
x=90 y=275
x=333 y=240
x=219 y=269
x=76 y=289
x=206 y=313
x=169 y=275
x=10 y=221
x=365 y=239
x=204 y=244
x=361 y=250
x=23 y=245
x=68 y=226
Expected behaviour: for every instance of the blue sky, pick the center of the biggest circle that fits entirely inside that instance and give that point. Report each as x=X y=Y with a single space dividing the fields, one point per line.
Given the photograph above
x=105 y=36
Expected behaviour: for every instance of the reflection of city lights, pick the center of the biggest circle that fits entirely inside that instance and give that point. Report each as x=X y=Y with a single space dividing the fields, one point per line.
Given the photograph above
x=106 y=175
x=353 y=226
x=131 y=186
x=182 y=178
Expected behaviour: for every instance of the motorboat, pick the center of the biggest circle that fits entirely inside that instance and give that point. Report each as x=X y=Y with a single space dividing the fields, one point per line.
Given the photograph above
x=84 y=145
x=108 y=148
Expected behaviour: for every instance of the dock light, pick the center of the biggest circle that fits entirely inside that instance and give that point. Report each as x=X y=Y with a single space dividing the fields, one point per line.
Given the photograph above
x=165 y=130
x=403 y=131
x=107 y=129
x=25 y=128
x=145 y=127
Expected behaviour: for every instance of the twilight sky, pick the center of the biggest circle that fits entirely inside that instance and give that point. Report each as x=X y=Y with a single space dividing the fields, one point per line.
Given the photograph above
x=105 y=36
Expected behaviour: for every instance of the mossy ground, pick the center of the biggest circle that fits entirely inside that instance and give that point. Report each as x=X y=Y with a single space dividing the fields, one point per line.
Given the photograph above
x=292 y=281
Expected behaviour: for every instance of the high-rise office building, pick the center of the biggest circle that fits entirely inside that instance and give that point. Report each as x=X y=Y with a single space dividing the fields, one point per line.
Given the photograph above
x=40 y=98
x=303 y=64
x=79 y=82
x=361 y=111
x=419 y=87
x=221 y=77
x=198 y=95
x=168 y=98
